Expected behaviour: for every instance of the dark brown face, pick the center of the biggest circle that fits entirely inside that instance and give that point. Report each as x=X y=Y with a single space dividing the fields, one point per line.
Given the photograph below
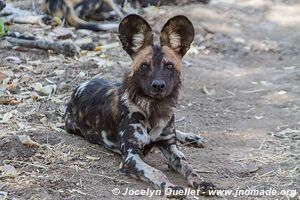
x=156 y=68
x=157 y=71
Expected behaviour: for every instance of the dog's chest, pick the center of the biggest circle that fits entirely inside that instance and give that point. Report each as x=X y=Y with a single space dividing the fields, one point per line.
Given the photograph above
x=157 y=132
x=153 y=121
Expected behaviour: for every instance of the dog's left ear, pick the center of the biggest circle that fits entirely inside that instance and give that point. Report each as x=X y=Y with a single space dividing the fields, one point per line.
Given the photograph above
x=135 y=34
x=178 y=34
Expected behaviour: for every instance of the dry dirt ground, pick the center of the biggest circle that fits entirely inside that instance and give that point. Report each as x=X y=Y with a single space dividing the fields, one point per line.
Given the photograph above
x=241 y=91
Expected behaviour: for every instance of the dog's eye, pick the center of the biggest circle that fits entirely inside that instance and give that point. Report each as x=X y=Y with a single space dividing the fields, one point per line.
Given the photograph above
x=144 y=66
x=169 y=65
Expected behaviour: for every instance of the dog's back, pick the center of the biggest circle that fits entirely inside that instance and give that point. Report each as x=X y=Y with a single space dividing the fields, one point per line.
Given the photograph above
x=93 y=112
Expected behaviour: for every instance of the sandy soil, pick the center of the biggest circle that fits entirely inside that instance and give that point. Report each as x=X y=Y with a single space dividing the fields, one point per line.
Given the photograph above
x=241 y=91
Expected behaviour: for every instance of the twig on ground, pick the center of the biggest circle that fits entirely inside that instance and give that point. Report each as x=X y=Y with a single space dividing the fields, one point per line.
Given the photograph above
x=107 y=46
x=180 y=120
x=253 y=91
x=41 y=20
x=67 y=48
x=200 y=171
x=31 y=164
x=262 y=144
x=108 y=177
x=232 y=93
x=10 y=101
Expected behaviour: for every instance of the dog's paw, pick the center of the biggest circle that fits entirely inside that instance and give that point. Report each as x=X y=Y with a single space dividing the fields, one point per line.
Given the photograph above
x=175 y=191
x=190 y=139
x=195 y=140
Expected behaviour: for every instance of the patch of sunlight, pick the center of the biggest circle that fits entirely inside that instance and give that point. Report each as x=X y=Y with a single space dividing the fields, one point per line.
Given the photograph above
x=248 y=3
x=221 y=27
x=285 y=15
x=255 y=3
x=279 y=97
x=240 y=72
x=247 y=134
x=203 y=12
x=216 y=20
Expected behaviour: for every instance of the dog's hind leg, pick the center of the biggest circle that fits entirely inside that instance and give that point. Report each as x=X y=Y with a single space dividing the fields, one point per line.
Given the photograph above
x=70 y=123
x=190 y=139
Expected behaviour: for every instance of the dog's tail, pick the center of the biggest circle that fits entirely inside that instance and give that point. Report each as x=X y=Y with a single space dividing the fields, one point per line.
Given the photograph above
x=97 y=27
x=63 y=8
x=75 y=21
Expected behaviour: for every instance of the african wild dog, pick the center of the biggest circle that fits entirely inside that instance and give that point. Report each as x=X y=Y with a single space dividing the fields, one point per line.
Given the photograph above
x=77 y=11
x=132 y=117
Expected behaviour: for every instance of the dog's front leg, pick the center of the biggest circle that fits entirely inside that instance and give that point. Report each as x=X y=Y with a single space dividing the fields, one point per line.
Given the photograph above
x=134 y=140
x=179 y=163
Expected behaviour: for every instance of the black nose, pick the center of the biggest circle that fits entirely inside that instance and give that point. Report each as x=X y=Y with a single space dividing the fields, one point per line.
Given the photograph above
x=158 y=85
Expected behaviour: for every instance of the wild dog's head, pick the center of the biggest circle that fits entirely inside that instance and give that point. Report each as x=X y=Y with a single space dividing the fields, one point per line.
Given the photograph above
x=156 y=68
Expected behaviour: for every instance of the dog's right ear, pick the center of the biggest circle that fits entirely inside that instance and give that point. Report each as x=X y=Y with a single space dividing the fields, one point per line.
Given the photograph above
x=135 y=34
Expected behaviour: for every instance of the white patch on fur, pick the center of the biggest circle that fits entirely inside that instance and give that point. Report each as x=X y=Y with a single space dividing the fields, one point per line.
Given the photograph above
x=65 y=110
x=138 y=41
x=142 y=138
x=81 y=88
x=175 y=41
x=107 y=142
x=156 y=131
x=174 y=149
x=124 y=97
x=145 y=105
x=131 y=106
x=121 y=133
x=78 y=9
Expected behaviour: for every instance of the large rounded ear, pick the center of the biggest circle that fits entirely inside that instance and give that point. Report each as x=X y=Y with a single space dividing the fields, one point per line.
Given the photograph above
x=135 y=34
x=178 y=34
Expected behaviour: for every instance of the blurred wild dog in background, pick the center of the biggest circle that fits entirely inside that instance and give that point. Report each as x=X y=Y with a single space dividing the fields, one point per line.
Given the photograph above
x=133 y=117
x=77 y=11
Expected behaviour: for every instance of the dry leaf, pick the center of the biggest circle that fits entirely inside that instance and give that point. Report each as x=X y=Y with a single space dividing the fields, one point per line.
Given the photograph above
x=56 y=128
x=13 y=59
x=8 y=101
x=258 y=117
x=82 y=74
x=2 y=76
x=59 y=72
x=7 y=116
x=3 y=195
x=25 y=78
x=288 y=134
x=207 y=91
x=62 y=33
x=9 y=171
x=84 y=40
x=44 y=121
x=92 y=158
x=11 y=87
x=26 y=140
x=281 y=92
x=46 y=90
